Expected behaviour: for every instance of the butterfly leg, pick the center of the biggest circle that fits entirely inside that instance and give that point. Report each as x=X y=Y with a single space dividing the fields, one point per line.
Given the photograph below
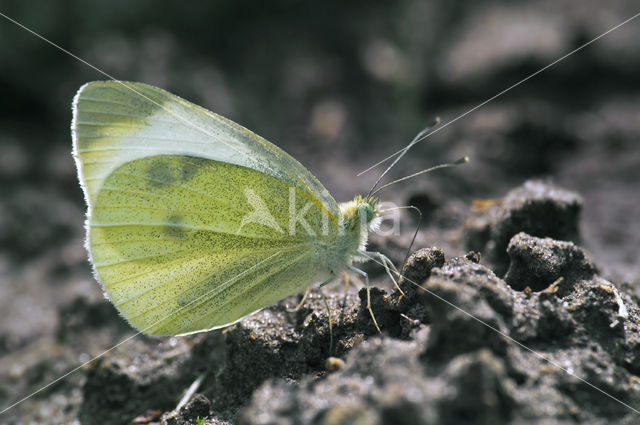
x=366 y=280
x=347 y=281
x=301 y=303
x=387 y=264
x=326 y=304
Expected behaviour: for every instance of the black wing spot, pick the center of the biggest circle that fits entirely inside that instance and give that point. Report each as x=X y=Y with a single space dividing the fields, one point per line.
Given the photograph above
x=174 y=227
x=189 y=167
x=164 y=169
x=160 y=171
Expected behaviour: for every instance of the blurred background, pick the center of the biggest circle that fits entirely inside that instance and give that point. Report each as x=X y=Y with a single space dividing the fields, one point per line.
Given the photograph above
x=337 y=84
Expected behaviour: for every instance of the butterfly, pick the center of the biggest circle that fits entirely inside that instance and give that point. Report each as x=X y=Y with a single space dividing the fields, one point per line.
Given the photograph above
x=195 y=222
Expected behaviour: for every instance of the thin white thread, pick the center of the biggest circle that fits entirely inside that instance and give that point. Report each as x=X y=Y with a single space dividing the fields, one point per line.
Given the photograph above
x=442 y=127
x=132 y=336
x=122 y=83
x=359 y=174
x=510 y=338
x=11 y=406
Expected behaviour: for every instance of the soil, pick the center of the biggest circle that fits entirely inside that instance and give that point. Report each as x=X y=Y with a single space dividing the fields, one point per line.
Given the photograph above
x=519 y=300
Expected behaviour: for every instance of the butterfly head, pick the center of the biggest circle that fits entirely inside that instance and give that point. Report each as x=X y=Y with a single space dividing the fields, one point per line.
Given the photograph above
x=368 y=218
x=360 y=215
x=367 y=209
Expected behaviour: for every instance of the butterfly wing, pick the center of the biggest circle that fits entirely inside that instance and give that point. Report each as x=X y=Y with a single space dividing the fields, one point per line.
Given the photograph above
x=191 y=229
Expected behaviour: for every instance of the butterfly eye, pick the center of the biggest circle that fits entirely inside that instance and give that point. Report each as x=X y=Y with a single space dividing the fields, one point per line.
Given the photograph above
x=365 y=210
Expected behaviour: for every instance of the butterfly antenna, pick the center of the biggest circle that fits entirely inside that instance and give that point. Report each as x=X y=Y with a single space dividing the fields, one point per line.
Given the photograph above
x=460 y=161
x=404 y=151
